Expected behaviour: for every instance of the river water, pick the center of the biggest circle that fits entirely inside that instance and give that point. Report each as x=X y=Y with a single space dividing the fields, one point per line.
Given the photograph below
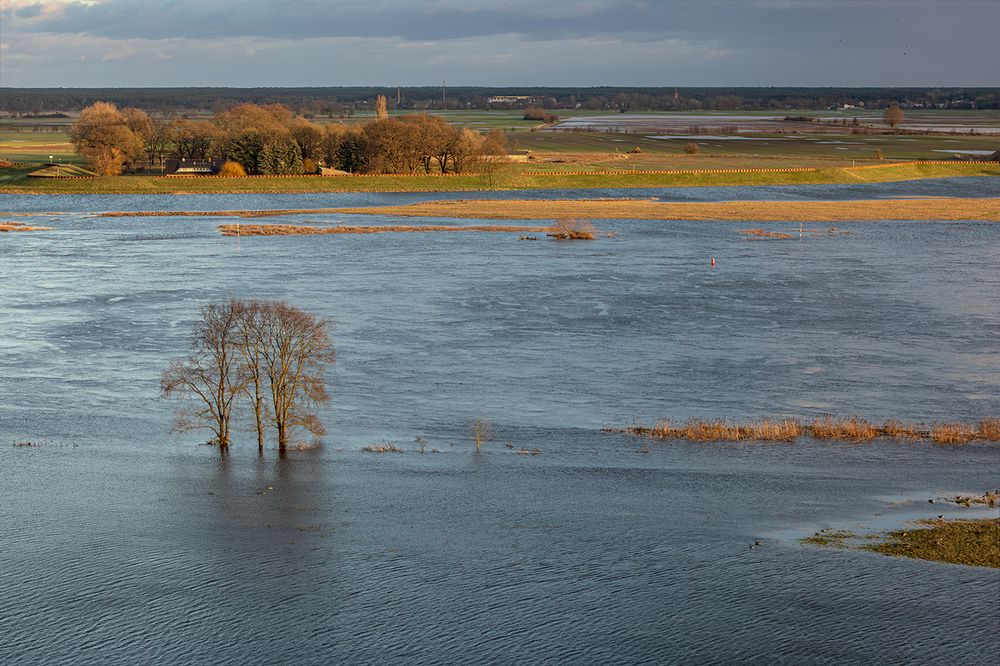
x=123 y=543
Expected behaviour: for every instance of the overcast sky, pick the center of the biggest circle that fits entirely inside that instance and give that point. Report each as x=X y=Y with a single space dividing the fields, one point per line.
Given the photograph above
x=98 y=43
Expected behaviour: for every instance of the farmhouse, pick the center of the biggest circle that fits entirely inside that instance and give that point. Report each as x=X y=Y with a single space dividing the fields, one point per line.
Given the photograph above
x=192 y=167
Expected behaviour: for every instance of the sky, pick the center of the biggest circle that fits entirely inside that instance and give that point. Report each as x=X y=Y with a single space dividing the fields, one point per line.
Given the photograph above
x=247 y=43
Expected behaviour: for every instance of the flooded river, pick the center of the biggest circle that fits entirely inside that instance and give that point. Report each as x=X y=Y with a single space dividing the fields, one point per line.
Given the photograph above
x=124 y=543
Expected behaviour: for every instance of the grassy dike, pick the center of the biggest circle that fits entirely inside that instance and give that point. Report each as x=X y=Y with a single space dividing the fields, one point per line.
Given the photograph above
x=15 y=180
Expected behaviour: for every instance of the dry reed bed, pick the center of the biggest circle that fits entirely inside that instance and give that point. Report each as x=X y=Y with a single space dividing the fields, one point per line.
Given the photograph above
x=763 y=211
x=789 y=429
x=20 y=226
x=305 y=230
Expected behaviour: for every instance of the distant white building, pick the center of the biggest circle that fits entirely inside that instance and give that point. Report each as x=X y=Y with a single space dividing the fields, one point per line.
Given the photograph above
x=510 y=99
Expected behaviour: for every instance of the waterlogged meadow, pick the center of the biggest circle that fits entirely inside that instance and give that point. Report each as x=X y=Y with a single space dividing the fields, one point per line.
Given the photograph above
x=474 y=499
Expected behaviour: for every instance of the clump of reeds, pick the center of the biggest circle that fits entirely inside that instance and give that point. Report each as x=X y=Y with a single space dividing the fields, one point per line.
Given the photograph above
x=952 y=433
x=847 y=428
x=572 y=230
x=989 y=430
x=852 y=429
x=761 y=233
x=698 y=430
x=900 y=430
x=385 y=447
x=776 y=430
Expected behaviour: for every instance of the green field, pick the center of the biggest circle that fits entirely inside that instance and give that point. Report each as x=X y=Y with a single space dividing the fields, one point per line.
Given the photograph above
x=16 y=181
x=23 y=144
x=822 y=146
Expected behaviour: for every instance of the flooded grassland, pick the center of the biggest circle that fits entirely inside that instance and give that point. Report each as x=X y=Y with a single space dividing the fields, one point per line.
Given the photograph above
x=395 y=541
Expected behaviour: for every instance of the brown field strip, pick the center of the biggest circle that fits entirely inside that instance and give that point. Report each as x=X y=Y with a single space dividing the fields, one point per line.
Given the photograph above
x=763 y=211
x=303 y=230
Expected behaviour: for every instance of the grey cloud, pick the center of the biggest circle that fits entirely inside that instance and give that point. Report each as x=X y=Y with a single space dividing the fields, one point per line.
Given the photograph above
x=517 y=42
x=543 y=19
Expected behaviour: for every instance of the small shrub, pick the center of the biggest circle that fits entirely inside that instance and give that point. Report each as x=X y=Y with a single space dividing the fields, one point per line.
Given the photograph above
x=573 y=230
x=232 y=169
x=482 y=432
x=692 y=148
x=878 y=154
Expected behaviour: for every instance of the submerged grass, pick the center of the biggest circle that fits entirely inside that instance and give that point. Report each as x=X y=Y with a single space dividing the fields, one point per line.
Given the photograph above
x=969 y=542
x=989 y=498
x=386 y=447
x=851 y=429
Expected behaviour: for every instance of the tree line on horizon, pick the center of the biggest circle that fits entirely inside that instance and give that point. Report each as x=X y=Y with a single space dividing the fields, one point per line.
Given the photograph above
x=272 y=140
x=344 y=101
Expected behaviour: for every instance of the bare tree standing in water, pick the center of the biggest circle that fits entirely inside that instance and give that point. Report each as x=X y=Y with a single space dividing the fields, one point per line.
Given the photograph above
x=251 y=344
x=211 y=378
x=295 y=350
x=267 y=351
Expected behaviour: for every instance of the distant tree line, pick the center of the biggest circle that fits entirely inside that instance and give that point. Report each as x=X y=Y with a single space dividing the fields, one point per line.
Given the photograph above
x=271 y=139
x=345 y=101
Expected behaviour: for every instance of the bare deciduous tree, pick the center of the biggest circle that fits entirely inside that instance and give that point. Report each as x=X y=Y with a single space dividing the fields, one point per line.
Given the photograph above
x=250 y=345
x=295 y=350
x=210 y=379
x=271 y=353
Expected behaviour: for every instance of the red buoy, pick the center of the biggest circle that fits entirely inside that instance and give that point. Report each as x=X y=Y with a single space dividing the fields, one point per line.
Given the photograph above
x=713 y=262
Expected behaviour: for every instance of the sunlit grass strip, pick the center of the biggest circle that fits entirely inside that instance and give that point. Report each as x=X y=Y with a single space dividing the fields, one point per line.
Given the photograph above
x=852 y=429
x=941 y=208
x=305 y=230
x=14 y=181
x=20 y=226
x=936 y=208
